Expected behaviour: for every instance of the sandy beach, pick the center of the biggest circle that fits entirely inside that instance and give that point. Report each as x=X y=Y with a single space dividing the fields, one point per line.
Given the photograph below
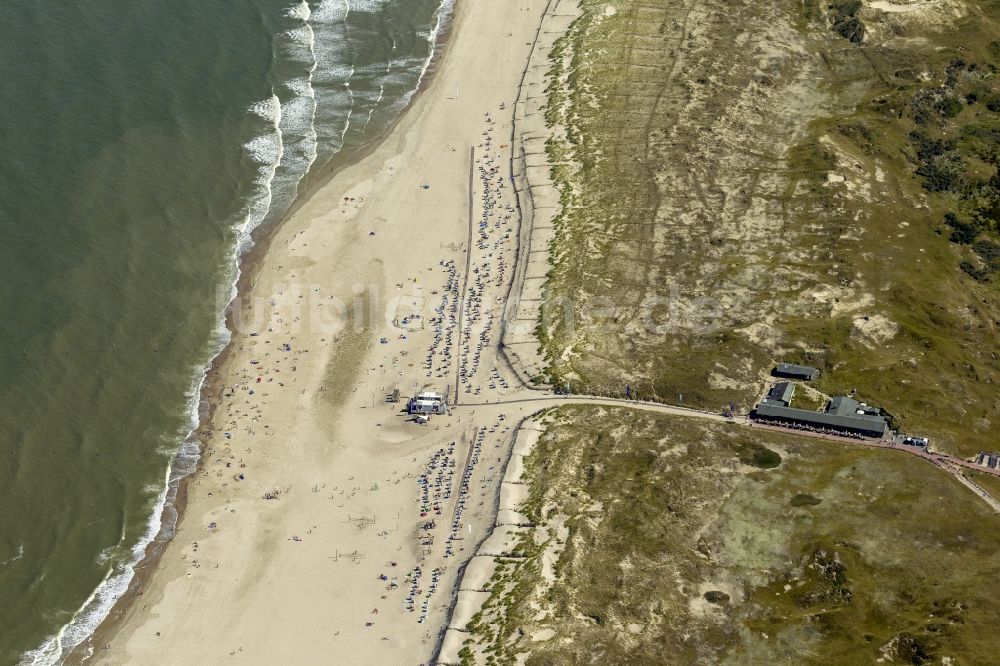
x=325 y=526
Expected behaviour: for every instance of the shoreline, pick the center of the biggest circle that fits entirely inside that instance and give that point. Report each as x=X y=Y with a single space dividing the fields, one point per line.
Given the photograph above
x=248 y=264
x=251 y=268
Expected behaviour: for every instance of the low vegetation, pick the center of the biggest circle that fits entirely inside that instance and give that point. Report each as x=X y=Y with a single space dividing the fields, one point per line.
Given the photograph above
x=744 y=183
x=655 y=543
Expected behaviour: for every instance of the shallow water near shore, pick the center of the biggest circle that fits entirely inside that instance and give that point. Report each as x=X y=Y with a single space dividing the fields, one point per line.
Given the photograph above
x=143 y=143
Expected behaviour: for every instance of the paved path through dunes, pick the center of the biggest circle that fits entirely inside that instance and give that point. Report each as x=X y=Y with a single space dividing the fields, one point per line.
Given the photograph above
x=951 y=464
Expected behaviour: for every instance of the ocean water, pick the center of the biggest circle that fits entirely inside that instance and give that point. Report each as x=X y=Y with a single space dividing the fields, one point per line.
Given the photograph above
x=142 y=143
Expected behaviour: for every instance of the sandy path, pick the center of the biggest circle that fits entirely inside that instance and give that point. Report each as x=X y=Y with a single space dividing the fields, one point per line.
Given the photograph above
x=302 y=418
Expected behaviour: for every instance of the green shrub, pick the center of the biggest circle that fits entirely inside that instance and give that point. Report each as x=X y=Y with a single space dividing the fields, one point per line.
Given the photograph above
x=963 y=233
x=949 y=107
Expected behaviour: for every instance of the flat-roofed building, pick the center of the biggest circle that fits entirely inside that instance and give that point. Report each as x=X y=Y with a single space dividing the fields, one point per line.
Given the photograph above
x=792 y=371
x=427 y=403
x=843 y=415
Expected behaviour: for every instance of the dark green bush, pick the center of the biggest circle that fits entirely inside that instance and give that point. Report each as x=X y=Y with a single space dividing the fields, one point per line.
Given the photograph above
x=963 y=233
x=949 y=107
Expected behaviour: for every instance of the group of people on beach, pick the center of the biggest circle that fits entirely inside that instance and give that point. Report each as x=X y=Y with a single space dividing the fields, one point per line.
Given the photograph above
x=444 y=322
x=494 y=250
x=454 y=485
x=441 y=497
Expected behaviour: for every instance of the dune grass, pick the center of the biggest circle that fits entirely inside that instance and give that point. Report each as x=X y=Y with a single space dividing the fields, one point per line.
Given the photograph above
x=678 y=553
x=741 y=184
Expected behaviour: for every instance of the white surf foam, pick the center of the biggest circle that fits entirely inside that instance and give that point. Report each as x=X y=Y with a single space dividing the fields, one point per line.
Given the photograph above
x=97 y=606
x=441 y=18
x=331 y=10
x=369 y=6
x=15 y=557
x=335 y=59
x=266 y=150
x=374 y=106
x=300 y=11
x=296 y=47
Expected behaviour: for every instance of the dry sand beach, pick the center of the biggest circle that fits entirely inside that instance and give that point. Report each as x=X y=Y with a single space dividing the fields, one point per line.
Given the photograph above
x=323 y=526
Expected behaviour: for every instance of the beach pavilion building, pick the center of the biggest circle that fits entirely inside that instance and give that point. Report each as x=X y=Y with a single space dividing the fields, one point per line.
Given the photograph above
x=427 y=403
x=843 y=415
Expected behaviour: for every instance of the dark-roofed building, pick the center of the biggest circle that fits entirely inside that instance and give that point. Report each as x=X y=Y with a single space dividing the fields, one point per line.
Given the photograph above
x=842 y=405
x=793 y=371
x=843 y=415
x=781 y=394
